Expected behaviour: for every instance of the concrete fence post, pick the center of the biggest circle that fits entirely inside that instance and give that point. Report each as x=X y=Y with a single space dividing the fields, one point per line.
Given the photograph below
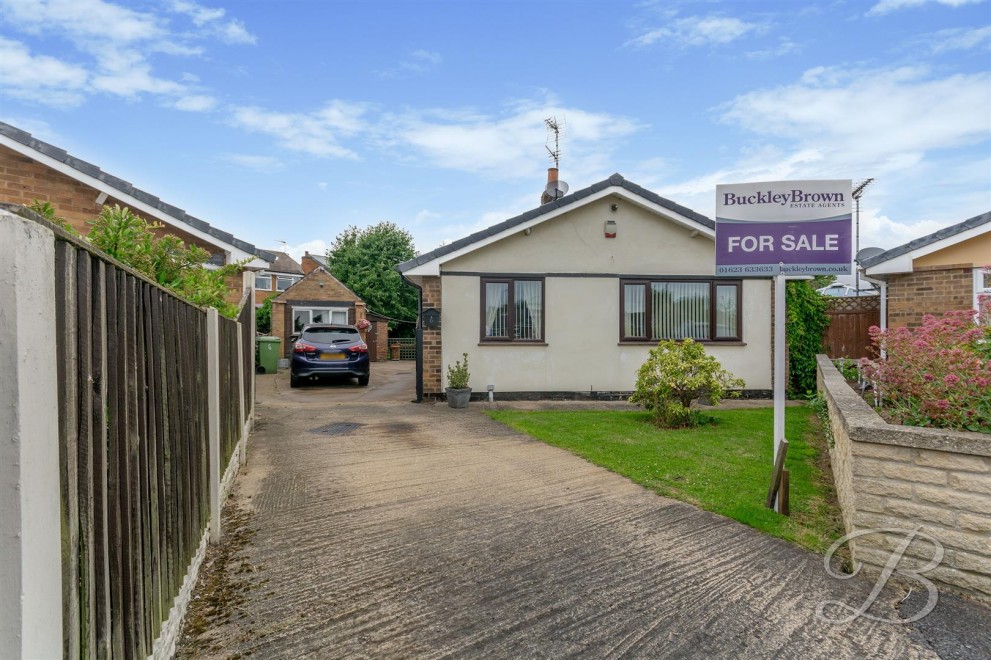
x=213 y=406
x=30 y=523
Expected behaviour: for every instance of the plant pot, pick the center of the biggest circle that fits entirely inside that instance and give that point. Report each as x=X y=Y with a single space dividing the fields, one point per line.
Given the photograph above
x=458 y=398
x=394 y=351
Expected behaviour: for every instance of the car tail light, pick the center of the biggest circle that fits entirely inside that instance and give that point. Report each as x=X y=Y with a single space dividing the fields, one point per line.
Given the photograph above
x=360 y=348
x=303 y=347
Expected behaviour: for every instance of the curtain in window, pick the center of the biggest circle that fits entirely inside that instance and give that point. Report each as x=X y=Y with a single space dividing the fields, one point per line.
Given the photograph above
x=680 y=310
x=726 y=311
x=634 y=311
x=527 y=309
x=496 y=309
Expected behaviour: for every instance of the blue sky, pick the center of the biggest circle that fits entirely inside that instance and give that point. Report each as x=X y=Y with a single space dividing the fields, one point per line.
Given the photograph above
x=290 y=120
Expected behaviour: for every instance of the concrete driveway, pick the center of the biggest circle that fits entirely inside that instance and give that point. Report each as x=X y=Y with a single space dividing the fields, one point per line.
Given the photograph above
x=366 y=526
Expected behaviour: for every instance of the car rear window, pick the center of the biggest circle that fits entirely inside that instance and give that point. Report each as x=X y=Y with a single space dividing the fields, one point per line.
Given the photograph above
x=330 y=335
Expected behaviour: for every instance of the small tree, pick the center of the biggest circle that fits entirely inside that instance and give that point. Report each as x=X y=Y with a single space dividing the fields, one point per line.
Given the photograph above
x=263 y=316
x=167 y=260
x=675 y=376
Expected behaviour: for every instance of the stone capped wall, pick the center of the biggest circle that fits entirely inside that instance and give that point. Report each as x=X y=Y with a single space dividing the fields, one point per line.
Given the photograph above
x=899 y=477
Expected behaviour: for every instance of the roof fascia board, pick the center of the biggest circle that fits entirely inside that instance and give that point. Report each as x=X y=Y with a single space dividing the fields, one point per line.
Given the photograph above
x=237 y=254
x=432 y=267
x=903 y=263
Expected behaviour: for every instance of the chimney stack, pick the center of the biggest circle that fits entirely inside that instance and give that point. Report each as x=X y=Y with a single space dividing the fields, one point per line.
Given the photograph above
x=551 y=178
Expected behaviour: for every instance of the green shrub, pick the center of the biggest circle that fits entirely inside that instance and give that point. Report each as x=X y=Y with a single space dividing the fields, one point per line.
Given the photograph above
x=675 y=376
x=263 y=316
x=457 y=375
x=806 y=321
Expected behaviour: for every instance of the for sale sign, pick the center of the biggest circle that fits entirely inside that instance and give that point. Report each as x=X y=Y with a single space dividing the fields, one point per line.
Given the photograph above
x=784 y=227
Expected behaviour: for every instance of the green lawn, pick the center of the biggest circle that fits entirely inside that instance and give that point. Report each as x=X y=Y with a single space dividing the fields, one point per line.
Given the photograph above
x=724 y=468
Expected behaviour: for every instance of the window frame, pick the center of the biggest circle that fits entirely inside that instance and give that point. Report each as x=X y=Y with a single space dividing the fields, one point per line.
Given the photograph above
x=268 y=277
x=292 y=280
x=511 y=280
x=713 y=283
x=310 y=310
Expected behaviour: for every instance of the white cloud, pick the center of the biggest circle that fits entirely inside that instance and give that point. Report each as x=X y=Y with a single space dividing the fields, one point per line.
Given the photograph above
x=39 y=77
x=887 y=6
x=880 y=113
x=322 y=185
x=196 y=103
x=114 y=43
x=252 y=162
x=315 y=246
x=505 y=146
x=697 y=31
x=961 y=39
x=316 y=133
x=785 y=47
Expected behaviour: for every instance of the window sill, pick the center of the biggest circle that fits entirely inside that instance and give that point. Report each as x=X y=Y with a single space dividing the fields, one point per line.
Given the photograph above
x=707 y=342
x=513 y=343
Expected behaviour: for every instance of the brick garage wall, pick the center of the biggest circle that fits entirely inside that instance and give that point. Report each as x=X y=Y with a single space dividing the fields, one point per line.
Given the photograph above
x=929 y=290
x=897 y=477
x=433 y=375
x=317 y=286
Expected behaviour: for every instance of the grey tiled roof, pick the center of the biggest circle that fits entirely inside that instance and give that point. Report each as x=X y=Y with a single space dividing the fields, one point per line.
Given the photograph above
x=945 y=232
x=319 y=258
x=614 y=180
x=126 y=188
x=285 y=264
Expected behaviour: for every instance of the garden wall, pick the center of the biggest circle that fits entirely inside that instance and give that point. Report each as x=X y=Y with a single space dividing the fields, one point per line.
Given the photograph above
x=898 y=477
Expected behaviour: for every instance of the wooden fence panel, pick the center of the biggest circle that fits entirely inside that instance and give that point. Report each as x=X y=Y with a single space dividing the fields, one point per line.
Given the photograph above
x=849 y=321
x=134 y=456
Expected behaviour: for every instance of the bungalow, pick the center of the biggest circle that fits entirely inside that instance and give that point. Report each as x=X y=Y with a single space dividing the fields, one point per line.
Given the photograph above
x=566 y=299
x=34 y=170
x=944 y=271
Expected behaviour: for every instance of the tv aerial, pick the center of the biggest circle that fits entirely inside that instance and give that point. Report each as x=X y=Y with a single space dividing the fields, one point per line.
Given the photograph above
x=555 y=188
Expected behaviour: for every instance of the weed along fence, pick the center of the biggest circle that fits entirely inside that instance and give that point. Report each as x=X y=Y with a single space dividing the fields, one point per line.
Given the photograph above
x=128 y=410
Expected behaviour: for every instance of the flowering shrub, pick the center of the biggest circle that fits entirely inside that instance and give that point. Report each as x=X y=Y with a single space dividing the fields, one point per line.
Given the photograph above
x=937 y=374
x=676 y=374
x=363 y=324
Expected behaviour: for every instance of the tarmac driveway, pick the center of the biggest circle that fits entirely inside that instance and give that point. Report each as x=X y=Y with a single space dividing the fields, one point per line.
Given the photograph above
x=368 y=526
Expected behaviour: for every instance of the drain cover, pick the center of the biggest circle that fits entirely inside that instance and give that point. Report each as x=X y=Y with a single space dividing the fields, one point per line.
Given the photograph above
x=338 y=428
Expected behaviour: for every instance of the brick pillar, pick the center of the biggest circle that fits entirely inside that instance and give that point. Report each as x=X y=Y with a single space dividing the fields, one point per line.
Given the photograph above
x=433 y=376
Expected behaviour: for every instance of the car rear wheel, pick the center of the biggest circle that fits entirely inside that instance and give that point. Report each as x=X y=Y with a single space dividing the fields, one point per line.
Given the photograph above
x=363 y=380
x=293 y=381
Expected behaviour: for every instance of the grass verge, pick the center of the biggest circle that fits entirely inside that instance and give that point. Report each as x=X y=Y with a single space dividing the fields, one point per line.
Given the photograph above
x=724 y=468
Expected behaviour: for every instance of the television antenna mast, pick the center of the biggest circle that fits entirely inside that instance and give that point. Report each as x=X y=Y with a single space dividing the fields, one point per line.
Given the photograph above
x=858 y=192
x=554 y=130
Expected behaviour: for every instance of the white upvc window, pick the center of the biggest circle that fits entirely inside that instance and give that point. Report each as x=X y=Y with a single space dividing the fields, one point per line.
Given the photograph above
x=263 y=281
x=304 y=315
x=982 y=294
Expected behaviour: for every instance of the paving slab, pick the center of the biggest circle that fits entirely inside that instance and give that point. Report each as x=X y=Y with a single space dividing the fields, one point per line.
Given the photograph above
x=367 y=526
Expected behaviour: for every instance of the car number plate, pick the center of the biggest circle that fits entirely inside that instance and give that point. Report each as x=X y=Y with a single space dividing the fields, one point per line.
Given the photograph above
x=332 y=356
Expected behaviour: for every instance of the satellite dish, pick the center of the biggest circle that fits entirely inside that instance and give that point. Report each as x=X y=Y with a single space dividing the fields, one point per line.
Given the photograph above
x=868 y=252
x=556 y=189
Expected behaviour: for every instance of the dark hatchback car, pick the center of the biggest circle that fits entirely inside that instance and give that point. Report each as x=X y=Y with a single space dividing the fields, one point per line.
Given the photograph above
x=328 y=350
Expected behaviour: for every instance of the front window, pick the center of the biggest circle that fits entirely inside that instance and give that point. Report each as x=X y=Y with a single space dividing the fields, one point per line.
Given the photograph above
x=305 y=316
x=703 y=310
x=263 y=281
x=513 y=309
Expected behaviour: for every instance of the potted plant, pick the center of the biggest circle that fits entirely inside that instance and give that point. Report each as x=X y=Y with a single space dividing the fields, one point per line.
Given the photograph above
x=458 y=392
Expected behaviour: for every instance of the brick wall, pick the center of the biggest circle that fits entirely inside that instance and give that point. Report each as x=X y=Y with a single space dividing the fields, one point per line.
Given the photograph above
x=317 y=286
x=929 y=290
x=896 y=477
x=433 y=367
x=23 y=180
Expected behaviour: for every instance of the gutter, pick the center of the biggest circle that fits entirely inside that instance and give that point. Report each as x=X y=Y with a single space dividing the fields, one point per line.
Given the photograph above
x=419 y=337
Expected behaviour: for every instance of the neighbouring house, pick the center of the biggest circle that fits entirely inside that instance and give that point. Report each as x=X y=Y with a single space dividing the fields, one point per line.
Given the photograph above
x=318 y=297
x=943 y=271
x=282 y=274
x=567 y=299
x=34 y=170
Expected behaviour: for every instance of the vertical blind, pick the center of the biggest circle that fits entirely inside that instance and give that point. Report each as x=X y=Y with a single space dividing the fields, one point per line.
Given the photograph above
x=496 y=309
x=527 y=309
x=634 y=316
x=726 y=325
x=680 y=310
